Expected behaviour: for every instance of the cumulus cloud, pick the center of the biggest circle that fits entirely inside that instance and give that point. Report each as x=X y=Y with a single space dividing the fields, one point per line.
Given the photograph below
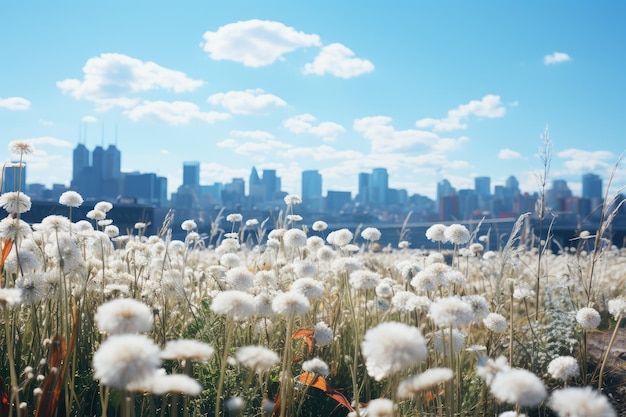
x=338 y=60
x=50 y=141
x=255 y=43
x=320 y=153
x=509 y=154
x=489 y=106
x=14 y=103
x=89 y=119
x=579 y=160
x=110 y=78
x=246 y=102
x=252 y=134
x=385 y=138
x=173 y=113
x=304 y=123
x=556 y=58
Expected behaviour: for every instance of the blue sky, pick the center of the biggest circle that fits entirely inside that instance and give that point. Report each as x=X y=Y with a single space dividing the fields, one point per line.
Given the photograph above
x=429 y=90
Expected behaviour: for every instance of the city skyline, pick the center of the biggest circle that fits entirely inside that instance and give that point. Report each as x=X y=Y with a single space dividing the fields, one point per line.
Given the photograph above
x=426 y=91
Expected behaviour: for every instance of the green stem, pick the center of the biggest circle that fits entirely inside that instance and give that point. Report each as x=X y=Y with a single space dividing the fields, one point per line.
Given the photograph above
x=220 y=384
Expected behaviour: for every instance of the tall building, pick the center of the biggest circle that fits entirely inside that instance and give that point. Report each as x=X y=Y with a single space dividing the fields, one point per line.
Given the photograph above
x=270 y=182
x=592 y=186
x=444 y=189
x=379 y=185
x=191 y=174
x=14 y=178
x=364 y=188
x=256 y=189
x=312 y=190
x=111 y=172
x=80 y=162
x=482 y=186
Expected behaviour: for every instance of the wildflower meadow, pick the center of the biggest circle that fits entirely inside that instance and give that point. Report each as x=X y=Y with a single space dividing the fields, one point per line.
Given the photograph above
x=301 y=320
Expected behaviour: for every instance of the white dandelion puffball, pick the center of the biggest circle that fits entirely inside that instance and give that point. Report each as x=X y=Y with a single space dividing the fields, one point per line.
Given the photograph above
x=371 y=233
x=124 y=315
x=292 y=199
x=21 y=147
x=380 y=407
x=563 y=368
x=187 y=349
x=617 y=307
x=588 y=318
x=391 y=347
x=235 y=304
x=316 y=366
x=234 y=218
x=322 y=334
x=457 y=234
x=71 y=199
x=319 y=226
x=340 y=237
x=580 y=402
x=188 y=225
x=309 y=287
x=518 y=386
x=15 y=202
x=436 y=233
x=495 y=322
x=126 y=361
x=421 y=382
x=175 y=383
x=451 y=312
x=256 y=358
x=294 y=238
x=291 y=303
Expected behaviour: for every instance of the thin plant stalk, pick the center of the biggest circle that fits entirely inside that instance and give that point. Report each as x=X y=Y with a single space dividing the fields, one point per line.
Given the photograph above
x=608 y=350
x=220 y=384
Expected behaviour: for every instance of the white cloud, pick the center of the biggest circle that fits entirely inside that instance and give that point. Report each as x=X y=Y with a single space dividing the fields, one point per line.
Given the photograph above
x=449 y=144
x=509 y=154
x=489 y=106
x=320 y=153
x=252 y=134
x=303 y=123
x=227 y=143
x=14 y=103
x=246 y=102
x=89 y=119
x=45 y=122
x=255 y=43
x=173 y=113
x=556 y=58
x=385 y=138
x=164 y=152
x=338 y=60
x=579 y=160
x=50 y=141
x=109 y=78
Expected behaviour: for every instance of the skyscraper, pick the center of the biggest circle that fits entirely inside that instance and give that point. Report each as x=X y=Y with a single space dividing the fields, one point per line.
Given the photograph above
x=592 y=186
x=364 y=187
x=379 y=185
x=312 y=190
x=191 y=174
x=482 y=186
x=256 y=189
x=14 y=178
x=80 y=161
x=270 y=182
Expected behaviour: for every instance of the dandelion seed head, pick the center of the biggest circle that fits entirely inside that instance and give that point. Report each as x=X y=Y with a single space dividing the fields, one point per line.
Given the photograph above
x=236 y=304
x=617 y=307
x=99 y=215
x=34 y=287
x=495 y=322
x=10 y=297
x=161 y=384
x=322 y=334
x=309 y=287
x=451 y=312
x=127 y=361
x=71 y=199
x=15 y=202
x=518 y=386
x=588 y=318
x=292 y=218
x=234 y=218
x=380 y=407
x=407 y=302
x=371 y=233
x=294 y=238
x=316 y=366
x=319 y=226
x=436 y=233
x=291 y=303
x=256 y=358
x=292 y=199
x=580 y=402
x=479 y=304
x=187 y=349
x=441 y=340
x=413 y=385
x=124 y=315
x=325 y=254
x=239 y=278
x=340 y=237
x=563 y=368
x=189 y=225
x=391 y=347
x=457 y=234
x=364 y=279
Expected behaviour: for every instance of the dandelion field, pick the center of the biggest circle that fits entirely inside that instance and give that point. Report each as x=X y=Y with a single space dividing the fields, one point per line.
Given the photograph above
x=300 y=321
